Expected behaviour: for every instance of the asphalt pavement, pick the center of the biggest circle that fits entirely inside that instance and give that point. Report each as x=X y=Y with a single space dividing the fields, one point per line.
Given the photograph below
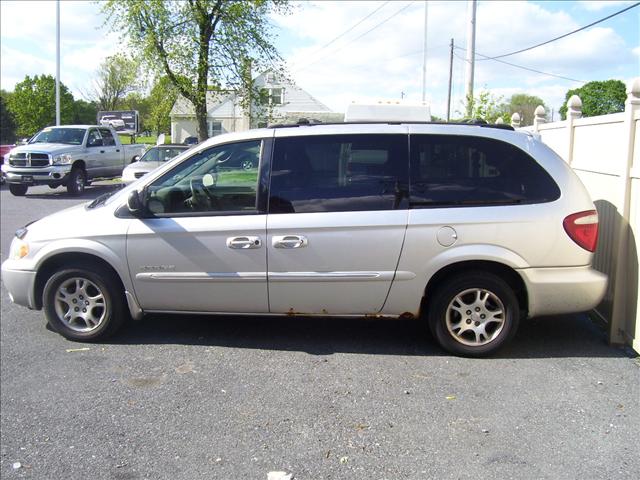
x=175 y=397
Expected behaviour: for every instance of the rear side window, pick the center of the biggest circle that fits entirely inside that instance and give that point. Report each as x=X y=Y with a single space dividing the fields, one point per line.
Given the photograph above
x=107 y=137
x=448 y=170
x=339 y=173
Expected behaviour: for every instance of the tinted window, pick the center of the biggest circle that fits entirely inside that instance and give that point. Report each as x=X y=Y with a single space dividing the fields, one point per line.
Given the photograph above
x=107 y=137
x=161 y=154
x=93 y=137
x=451 y=170
x=339 y=173
x=223 y=178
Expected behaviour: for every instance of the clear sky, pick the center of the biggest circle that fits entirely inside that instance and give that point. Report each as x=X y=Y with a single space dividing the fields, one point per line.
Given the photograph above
x=381 y=58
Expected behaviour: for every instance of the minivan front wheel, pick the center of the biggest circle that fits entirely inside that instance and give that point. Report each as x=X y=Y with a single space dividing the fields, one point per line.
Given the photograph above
x=474 y=314
x=84 y=303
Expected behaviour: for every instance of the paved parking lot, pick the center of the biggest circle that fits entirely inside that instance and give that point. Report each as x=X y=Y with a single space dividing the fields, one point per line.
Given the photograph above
x=196 y=397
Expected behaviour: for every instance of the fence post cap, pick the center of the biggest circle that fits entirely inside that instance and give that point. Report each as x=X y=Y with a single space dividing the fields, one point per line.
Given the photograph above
x=515 y=117
x=499 y=121
x=575 y=102
x=633 y=90
x=540 y=111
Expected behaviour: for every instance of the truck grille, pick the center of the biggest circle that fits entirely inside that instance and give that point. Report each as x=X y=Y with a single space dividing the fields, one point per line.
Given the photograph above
x=29 y=160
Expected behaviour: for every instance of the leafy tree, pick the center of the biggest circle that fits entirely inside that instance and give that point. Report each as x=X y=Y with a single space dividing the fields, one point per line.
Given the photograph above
x=598 y=98
x=488 y=107
x=136 y=101
x=525 y=105
x=116 y=77
x=33 y=104
x=84 y=113
x=163 y=96
x=200 y=44
x=7 y=122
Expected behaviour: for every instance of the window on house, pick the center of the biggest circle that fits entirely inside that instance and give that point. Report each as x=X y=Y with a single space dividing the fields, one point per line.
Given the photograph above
x=215 y=128
x=271 y=96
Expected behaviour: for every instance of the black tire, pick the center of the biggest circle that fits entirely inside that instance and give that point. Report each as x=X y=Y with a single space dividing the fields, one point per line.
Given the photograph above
x=460 y=330
x=77 y=181
x=101 y=293
x=18 y=189
x=53 y=186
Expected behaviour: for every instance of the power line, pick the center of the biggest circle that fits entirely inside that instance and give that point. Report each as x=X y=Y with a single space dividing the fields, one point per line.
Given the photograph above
x=566 y=34
x=520 y=66
x=358 y=37
x=349 y=29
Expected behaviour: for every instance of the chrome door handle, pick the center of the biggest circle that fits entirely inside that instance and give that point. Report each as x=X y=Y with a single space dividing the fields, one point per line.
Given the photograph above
x=289 y=241
x=244 y=243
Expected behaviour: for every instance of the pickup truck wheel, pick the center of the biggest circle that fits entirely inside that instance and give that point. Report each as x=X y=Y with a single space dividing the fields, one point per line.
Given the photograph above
x=474 y=314
x=84 y=303
x=18 y=189
x=76 y=182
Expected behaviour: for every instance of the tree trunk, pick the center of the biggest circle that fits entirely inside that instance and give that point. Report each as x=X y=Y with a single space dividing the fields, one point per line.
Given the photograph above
x=201 y=119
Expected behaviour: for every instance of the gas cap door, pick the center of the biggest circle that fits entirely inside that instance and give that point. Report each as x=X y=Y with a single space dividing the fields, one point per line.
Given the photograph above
x=447 y=236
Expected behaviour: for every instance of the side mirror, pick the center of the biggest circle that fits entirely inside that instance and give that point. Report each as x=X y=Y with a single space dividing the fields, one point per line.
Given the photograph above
x=134 y=203
x=136 y=158
x=96 y=142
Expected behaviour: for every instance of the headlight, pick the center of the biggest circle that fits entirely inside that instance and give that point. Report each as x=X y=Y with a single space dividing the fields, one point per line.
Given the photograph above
x=62 y=160
x=19 y=249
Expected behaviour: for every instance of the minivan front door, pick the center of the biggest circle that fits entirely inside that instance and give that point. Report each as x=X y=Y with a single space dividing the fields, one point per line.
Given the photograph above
x=338 y=212
x=202 y=248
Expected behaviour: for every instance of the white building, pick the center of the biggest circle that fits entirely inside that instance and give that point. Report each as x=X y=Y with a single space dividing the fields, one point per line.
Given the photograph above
x=283 y=101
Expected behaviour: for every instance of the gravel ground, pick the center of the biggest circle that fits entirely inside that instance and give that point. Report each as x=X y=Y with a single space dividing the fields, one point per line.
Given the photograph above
x=195 y=397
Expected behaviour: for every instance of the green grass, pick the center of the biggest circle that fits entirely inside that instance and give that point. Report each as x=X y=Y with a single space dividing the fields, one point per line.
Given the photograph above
x=126 y=139
x=248 y=178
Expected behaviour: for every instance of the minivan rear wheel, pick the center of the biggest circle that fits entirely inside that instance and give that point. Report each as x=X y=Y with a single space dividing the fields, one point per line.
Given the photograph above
x=474 y=314
x=84 y=303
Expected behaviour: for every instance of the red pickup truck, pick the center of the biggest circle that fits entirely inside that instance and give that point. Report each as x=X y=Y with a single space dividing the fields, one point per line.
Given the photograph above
x=4 y=149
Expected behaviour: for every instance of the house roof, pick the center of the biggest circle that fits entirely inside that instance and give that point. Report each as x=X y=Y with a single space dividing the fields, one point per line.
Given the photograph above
x=224 y=104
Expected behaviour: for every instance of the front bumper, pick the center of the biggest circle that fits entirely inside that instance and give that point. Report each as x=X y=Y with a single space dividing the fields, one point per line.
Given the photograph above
x=20 y=284
x=555 y=291
x=36 y=176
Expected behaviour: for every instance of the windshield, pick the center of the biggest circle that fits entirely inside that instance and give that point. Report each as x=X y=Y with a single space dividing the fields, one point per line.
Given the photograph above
x=161 y=154
x=68 y=136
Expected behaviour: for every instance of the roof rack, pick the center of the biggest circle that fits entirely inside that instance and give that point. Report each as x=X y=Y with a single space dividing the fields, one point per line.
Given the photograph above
x=302 y=122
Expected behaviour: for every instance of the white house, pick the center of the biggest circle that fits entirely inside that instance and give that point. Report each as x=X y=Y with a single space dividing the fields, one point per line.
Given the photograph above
x=283 y=100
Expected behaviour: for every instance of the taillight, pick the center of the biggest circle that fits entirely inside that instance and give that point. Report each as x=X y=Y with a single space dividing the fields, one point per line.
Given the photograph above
x=582 y=227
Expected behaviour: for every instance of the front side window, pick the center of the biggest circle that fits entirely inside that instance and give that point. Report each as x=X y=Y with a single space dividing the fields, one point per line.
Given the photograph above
x=448 y=170
x=94 y=139
x=339 y=173
x=223 y=178
x=161 y=154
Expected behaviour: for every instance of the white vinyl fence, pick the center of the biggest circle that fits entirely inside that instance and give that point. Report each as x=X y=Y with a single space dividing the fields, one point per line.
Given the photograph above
x=605 y=153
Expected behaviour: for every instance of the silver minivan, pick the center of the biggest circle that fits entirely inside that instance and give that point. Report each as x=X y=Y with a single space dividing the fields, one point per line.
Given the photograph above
x=467 y=228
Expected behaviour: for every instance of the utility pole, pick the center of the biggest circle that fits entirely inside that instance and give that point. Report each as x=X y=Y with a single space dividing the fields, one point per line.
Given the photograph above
x=424 y=56
x=450 y=81
x=57 y=62
x=471 y=54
